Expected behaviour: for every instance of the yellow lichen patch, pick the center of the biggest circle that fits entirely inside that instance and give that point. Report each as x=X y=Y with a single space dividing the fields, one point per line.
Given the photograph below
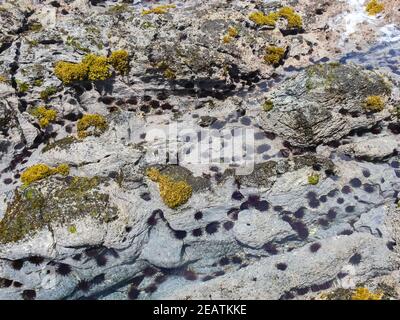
x=274 y=54
x=69 y=72
x=120 y=61
x=293 y=19
x=231 y=33
x=313 y=179
x=92 y=67
x=42 y=171
x=44 y=115
x=267 y=106
x=365 y=294
x=173 y=193
x=97 y=66
x=3 y=79
x=262 y=19
x=163 y=9
x=91 y=125
x=168 y=72
x=374 y=103
x=373 y=7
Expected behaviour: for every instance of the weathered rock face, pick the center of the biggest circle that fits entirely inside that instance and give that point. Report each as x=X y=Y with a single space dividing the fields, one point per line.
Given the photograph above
x=324 y=103
x=315 y=211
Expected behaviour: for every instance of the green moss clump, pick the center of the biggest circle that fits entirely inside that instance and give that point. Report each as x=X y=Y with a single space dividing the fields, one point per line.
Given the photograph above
x=167 y=71
x=274 y=55
x=163 y=9
x=373 y=7
x=38 y=82
x=95 y=122
x=374 y=103
x=35 y=27
x=71 y=41
x=268 y=105
x=119 y=9
x=44 y=115
x=54 y=201
x=313 y=179
x=48 y=92
x=23 y=87
x=62 y=143
x=72 y=229
x=120 y=61
x=41 y=171
x=173 y=193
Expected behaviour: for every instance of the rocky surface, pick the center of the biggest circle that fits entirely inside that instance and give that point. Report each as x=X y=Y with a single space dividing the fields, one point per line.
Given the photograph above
x=293 y=191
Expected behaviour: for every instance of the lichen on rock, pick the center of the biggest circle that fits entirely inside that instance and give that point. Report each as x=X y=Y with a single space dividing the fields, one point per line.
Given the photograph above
x=42 y=171
x=91 y=125
x=54 y=201
x=173 y=193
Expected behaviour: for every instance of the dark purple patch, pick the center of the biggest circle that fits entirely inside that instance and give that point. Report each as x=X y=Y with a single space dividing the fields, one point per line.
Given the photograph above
x=278 y=208
x=355 y=183
x=136 y=281
x=149 y=271
x=244 y=206
x=299 y=213
x=101 y=260
x=228 y=225
x=323 y=198
x=281 y=266
x=355 y=259
x=368 y=188
x=17 y=264
x=270 y=248
x=237 y=195
x=198 y=215
x=346 y=232
x=331 y=214
x=313 y=203
x=340 y=200
x=346 y=190
x=189 y=275
x=323 y=222
x=350 y=209
x=36 y=260
x=180 y=234
x=133 y=293
x=83 y=285
x=28 y=294
x=262 y=205
x=315 y=247
x=224 y=261
x=236 y=260
x=366 y=173
x=63 y=269
x=197 y=232
x=207 y=278
x=332 y=193
x=212 y=227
